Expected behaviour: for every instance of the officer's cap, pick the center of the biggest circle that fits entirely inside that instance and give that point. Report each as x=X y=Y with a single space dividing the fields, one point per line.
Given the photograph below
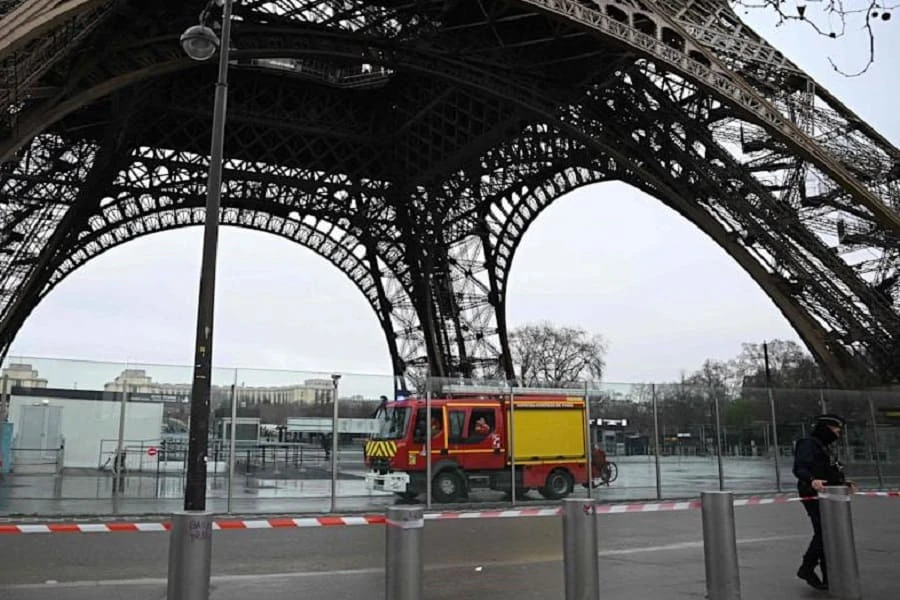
x=831 y=419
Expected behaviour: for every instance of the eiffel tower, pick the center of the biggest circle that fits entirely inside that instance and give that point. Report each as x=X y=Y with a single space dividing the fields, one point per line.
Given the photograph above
x=412 y=144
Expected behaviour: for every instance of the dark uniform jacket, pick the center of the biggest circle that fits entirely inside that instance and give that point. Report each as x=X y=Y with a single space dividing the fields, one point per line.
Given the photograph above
x=812 y=460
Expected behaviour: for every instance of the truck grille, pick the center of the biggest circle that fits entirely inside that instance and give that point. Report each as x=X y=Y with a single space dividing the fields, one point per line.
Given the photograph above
x=381 y=465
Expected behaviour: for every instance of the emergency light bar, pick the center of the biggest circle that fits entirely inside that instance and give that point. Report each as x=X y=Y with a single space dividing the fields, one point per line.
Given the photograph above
x=515 y=391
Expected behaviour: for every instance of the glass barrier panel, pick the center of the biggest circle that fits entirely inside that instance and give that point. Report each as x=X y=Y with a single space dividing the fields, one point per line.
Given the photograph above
x=795 y=410
x=855 y=449
x=622 y=435
x=687 y=427
x=98 y=474
x=60 y=411
x=885 y=408
x=493 y=442
x=749 y=451
x=157 y=433
x=289 y=466
x=360 y=401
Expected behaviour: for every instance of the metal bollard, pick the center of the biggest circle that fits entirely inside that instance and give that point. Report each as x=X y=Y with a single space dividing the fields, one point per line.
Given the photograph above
x=403 y=557
x=190 y=555
x=840 y=546
x=580 y=549
x=723 y=580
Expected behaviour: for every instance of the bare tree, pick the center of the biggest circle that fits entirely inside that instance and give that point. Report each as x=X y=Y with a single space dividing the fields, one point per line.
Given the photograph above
x=714 y=377
x=546 y=353
x=789 y=364
x=831 y=18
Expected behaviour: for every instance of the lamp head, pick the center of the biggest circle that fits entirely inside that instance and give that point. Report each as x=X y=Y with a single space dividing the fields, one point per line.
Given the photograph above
x=199 y=42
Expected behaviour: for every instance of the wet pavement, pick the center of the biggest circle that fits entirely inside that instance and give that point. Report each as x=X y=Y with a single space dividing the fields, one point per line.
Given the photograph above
x=642 y=555
x=306 y=488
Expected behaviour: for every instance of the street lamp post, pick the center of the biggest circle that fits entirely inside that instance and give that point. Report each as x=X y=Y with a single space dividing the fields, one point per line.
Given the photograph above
x=190 y=544
x=200 y=44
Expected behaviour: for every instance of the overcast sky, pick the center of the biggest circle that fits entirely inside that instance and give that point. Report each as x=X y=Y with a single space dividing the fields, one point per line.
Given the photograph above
x=605 y=257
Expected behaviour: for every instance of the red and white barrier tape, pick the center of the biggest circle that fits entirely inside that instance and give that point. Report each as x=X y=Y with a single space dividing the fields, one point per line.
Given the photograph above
x=343 y=521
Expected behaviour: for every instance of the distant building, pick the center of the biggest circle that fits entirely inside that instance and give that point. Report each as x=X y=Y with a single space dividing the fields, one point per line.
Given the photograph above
x=139 y=383
x=314 y=392
x=311 y=392
x=21 y=375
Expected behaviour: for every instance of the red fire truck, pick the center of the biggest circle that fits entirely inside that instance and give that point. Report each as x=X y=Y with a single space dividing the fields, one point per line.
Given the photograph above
x=471 y=440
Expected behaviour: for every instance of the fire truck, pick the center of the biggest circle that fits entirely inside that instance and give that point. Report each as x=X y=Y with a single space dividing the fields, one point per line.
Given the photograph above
x=473 y=446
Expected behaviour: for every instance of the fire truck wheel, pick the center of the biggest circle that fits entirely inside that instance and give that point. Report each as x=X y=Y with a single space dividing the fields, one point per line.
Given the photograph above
x=447 y=486
x=559 y=484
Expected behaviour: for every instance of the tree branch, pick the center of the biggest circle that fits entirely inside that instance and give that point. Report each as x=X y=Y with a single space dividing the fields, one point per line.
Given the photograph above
x=835 y=12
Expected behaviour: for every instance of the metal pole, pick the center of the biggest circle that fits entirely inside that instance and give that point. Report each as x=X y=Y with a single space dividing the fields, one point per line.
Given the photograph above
x=190 y=556
x=588 y=443
x=582 y=571
x=723 y=581
x=190 y=548
x=403 y=567
x=840 y=546
x=875 y=443
x=846 y=439
x=5 y=430
x=719 y=442
x=823 y=406
x=512 y=444
x=774 y=420
x=656 y=441
x=334 y=443
x=195 y=488
x=428 y=435
x=231 y=440
x=118 y=461
x=4 y=399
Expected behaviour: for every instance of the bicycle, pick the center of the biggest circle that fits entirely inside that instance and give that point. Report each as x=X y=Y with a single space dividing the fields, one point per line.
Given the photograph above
x=609 y=472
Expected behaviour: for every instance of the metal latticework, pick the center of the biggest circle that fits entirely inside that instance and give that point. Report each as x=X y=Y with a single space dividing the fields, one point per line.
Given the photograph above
x=412 y=144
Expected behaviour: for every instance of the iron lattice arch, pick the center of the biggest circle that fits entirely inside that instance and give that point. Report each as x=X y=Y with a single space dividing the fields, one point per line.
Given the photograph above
x=412 y=144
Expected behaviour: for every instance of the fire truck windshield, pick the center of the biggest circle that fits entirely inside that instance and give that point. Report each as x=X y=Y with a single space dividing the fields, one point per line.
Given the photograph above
x=393 y=421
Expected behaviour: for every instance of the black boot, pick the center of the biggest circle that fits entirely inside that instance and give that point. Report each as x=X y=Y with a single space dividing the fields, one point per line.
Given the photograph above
x=807 y=573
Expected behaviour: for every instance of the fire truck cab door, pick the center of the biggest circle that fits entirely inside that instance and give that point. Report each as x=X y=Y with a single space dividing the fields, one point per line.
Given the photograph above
x=477 y=438
x=437 y=431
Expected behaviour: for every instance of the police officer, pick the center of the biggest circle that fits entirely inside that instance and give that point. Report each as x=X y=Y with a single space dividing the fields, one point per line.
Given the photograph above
x=814 y=468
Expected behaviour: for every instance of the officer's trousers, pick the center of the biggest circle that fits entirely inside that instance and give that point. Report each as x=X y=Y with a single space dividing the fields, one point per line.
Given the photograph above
x=815 y=553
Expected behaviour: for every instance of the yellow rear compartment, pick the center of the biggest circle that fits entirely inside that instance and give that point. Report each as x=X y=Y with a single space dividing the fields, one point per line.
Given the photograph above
x=548 y=433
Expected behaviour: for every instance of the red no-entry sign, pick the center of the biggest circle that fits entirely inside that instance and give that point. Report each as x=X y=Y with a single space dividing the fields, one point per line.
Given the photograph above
x=151 y=451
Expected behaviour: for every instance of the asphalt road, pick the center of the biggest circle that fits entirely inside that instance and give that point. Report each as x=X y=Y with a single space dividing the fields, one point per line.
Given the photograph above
x=642 y=555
